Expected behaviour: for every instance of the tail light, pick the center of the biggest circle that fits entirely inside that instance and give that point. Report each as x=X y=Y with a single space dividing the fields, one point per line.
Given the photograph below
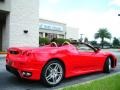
x=20 y=52
x=14 y=52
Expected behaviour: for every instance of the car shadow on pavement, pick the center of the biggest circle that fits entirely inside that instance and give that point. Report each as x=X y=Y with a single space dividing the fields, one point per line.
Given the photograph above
x=12 y=81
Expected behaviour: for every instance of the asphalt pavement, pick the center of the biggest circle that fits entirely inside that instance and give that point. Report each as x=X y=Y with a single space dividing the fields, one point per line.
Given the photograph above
x=9 y=82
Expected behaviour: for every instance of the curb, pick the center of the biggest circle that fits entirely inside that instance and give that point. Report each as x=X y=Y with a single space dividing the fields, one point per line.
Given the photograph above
x=3 y=52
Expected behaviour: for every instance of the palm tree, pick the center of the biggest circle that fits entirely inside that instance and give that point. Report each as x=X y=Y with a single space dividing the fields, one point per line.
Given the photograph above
x=103 y=33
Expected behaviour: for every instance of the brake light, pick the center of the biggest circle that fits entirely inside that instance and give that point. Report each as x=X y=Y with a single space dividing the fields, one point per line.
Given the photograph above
x=15 y=52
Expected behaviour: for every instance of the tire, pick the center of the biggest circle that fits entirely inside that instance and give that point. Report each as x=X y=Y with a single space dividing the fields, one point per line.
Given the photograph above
x=107 y=65
x=52 y=73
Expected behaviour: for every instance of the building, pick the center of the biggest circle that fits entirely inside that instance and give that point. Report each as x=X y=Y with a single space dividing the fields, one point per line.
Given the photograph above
x=19 y=23
x=72 y=33
x=51 y=29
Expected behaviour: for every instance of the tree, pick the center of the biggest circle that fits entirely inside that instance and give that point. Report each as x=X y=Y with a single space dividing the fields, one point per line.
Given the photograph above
x=116 y=42
x=106 y=43
x=103 y=33
x=86 y=40
x=94 y=43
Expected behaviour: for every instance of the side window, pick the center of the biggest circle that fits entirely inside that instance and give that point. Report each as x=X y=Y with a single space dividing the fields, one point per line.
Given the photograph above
x=84 y=48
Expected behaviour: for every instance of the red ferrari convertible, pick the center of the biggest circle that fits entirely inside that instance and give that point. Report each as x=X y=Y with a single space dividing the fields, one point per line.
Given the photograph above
x=52 y=63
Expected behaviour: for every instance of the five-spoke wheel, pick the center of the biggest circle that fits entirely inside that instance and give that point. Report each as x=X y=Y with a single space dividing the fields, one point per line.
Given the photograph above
x=52 y=73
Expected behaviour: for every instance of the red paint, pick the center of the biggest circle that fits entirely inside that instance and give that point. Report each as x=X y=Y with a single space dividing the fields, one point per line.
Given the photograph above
x=76 y=63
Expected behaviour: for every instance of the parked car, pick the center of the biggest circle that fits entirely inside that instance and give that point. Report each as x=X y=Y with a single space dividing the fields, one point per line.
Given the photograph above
x=51 y=63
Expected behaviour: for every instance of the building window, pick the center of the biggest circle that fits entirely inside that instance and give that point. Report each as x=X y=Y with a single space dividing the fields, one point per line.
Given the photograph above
x=50 y=35
x=61 y=36
x=46 y=35
x=41 y=34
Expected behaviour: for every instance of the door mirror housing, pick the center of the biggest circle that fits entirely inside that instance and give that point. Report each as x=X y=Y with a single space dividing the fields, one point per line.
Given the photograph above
x=97 y=48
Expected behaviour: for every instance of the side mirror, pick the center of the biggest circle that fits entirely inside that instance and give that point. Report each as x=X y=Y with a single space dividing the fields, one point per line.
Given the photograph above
x=97 y=48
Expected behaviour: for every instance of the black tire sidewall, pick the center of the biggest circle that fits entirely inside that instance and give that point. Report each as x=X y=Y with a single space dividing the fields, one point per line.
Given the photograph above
x=106 y=66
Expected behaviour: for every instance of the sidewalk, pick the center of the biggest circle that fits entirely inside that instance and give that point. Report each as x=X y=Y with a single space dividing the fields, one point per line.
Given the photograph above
x=2 y=56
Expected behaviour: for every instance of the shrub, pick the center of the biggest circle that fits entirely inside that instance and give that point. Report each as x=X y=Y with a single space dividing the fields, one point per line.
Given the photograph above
x=44 y=41
x=60 y=41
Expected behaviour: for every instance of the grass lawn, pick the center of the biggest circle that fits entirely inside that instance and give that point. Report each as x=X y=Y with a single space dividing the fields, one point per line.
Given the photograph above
x=107 y=83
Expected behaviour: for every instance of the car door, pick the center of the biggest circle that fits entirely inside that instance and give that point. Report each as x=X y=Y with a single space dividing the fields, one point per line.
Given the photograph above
x=87 y=59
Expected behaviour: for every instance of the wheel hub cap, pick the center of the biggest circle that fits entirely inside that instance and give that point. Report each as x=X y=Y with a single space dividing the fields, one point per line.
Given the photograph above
x=54 y=73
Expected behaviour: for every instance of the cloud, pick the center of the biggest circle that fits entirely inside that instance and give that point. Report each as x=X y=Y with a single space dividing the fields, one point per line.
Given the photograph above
x=115 y=2
x=88 y=22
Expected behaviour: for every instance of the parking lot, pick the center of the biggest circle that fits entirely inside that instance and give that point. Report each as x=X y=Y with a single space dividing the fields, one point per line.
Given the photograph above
x=9 y=82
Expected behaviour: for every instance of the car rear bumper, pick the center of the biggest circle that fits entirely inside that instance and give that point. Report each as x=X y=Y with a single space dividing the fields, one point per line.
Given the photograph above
x=34 y=74
x=12 y=70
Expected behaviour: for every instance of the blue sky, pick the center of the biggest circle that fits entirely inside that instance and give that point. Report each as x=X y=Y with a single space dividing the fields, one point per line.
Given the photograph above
x=94 y=14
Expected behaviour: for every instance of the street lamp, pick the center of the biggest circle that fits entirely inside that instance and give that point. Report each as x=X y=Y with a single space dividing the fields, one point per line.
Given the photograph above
x=81 y=38
x=65 y=34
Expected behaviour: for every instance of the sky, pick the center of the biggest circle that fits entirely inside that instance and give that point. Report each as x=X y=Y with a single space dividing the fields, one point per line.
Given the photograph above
x=87 y=15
